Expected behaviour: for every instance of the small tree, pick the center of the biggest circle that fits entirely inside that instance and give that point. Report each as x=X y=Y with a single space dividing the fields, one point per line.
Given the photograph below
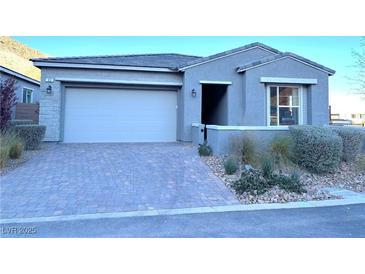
x=360 y=65
x=7 y=101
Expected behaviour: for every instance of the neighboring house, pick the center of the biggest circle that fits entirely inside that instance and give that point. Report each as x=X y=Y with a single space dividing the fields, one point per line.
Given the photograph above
x=347 y=107
x=167 y=97
x=349 y=119
x=27 y=89
x=358 y=119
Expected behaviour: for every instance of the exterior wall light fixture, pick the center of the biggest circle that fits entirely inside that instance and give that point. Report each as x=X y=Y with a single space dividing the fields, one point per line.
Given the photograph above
x=193 y=93
x=49 y=89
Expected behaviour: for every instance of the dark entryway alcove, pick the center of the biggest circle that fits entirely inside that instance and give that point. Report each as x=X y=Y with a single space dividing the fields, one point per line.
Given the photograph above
x=214 y=105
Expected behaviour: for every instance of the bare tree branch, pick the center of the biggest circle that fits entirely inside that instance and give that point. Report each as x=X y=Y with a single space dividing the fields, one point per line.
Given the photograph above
x=359 y=79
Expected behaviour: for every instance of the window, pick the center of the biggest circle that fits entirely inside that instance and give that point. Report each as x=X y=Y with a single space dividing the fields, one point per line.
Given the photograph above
x=27 y=95
x=284 y=105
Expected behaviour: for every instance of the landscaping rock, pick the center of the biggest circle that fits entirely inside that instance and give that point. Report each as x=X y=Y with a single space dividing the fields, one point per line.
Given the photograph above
x=346 y=176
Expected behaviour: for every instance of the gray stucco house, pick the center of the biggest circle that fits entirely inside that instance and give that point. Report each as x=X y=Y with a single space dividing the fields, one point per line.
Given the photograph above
x=27 y=89
x=169 y=97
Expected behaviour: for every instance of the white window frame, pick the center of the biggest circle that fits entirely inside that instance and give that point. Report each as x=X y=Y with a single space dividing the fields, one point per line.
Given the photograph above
x=31 y=95
x=268 y=103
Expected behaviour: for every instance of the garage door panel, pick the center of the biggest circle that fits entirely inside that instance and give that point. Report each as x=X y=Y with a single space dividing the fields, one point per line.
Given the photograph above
x=110 y=115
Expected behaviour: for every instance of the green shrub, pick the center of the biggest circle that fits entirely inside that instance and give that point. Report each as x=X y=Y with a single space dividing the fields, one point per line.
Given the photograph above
x=11 y=147
x=267 y=166
x=255 y=183
x=205 y=150
x=352 y=142
x=288 y=183
x=231 y=165
x=16 y=150
x=244 y=148
x=251 y=182
x=32 y=135
x=4 y=153
x=282 y=149
x=248 y=150
x=360 y=163
x=317 y=149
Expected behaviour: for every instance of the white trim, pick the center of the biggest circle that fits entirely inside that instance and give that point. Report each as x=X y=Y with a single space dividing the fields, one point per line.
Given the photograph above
x=268 y=102
x=301 y=105
x=284 y=57
x=31 y=95
x=216 y=82
x=127 y=82
x=279 y=80
x=19 y=75
x=91 y=66
x=268 y=106
x=224 y=56
x=196 y=124
x=244 y=128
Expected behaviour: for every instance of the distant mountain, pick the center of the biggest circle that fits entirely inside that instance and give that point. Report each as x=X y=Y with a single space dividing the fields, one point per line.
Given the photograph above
x=15 y=55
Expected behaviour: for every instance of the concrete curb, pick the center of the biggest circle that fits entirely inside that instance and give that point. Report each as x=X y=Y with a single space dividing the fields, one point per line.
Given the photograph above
x=349 y=198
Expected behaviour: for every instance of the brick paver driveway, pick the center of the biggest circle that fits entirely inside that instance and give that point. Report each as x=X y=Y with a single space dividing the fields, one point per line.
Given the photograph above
x=66 y=179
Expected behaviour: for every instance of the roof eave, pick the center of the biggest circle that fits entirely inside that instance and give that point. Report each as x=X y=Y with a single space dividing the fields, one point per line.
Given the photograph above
x=229 y=53
x=329 y=71
x=19 y=75
x=41 y=63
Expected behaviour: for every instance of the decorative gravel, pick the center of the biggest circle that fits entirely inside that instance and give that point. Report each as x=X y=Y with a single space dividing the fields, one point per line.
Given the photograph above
x=347 y=176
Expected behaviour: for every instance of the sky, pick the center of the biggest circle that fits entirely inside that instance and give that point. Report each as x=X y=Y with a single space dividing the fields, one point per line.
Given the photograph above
x=333 y=52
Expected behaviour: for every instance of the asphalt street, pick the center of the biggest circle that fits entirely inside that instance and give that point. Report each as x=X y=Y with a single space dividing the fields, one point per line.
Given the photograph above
x=337 y=221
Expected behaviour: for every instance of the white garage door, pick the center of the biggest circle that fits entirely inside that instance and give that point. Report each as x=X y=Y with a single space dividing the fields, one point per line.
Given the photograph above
x=119 y=115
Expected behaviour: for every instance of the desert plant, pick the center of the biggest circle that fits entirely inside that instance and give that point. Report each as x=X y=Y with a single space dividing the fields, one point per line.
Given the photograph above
x=317 y=149
x=255 y=183
x=252 y=182
x=7 y=101
x=16 y=149
x=288 y=183
x=248 y=149
x=231 y=165
x=31 y=135
x=352 y=142
x=11 y=147
x=235 y=144
x=281 y=148
x=267 y=166
x=4 y=152
x=360 y=163
x=244 y=148
x=205 y=150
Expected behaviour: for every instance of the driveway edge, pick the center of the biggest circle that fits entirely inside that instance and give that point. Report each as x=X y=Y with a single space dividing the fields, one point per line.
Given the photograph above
x=348 y=198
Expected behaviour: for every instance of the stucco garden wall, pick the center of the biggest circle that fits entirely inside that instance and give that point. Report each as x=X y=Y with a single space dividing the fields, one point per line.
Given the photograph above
x=197 y=133
x=220 y=138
